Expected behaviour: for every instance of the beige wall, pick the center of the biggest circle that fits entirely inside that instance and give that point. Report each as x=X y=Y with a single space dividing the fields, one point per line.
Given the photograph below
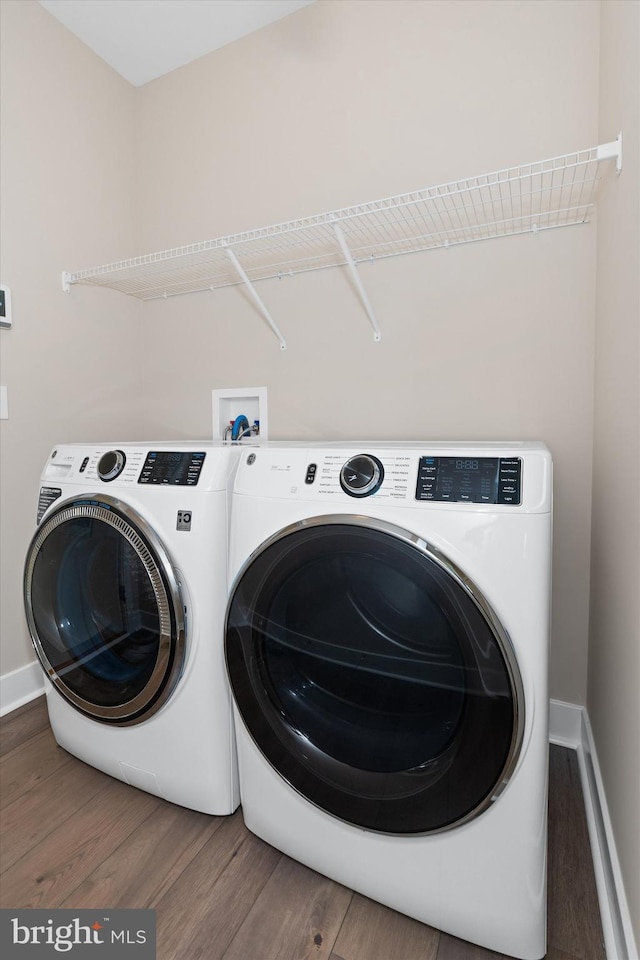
x=346 y=102
x=67 y=202
x=614 y=646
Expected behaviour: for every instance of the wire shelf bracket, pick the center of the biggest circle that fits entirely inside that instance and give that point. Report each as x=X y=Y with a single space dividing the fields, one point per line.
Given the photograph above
x=351 y=263
x=612 y=150
x=254 y=296
x=530 y=198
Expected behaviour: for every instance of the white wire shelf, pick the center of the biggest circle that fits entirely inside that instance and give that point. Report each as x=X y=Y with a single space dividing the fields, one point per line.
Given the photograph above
x=538 y=196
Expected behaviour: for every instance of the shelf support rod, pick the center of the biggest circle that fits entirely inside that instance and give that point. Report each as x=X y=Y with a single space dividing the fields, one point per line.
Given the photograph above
x=607 y=151
x=254 y=296
x=358 y=282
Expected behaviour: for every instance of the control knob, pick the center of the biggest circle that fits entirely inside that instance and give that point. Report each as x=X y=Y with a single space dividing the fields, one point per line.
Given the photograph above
x=111 y=465
x=361 y=476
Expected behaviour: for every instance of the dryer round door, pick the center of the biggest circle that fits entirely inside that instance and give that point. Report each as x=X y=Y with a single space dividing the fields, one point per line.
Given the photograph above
x=104 y=610
x=373 y=676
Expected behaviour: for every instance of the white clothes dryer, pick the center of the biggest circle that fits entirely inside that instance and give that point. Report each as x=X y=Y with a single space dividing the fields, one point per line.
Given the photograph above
x=387 y=647
x=125 y=590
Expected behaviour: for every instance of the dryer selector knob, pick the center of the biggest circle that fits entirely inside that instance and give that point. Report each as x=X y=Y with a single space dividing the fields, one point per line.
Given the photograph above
x=361 y=476
x=111 y=465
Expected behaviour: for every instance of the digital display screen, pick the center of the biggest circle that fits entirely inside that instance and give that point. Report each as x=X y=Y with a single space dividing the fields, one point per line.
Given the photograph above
x=469 y=479
x=172 y=468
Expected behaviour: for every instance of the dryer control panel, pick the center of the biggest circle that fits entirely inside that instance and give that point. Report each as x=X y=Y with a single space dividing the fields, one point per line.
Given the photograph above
x=507 y=478
x=470 y=479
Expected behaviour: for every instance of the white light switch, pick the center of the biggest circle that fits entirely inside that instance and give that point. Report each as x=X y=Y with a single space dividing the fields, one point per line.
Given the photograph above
x=4 y=406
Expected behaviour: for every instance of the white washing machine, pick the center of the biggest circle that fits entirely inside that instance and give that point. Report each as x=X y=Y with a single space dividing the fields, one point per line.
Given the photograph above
x=125 y=593
x=387 y=645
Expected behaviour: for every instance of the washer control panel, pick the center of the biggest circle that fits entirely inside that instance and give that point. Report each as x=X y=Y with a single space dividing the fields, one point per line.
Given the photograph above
x=470 y=479
x=172 y=468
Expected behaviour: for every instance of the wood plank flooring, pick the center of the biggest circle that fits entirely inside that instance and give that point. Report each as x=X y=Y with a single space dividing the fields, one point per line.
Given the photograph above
x=73 y=837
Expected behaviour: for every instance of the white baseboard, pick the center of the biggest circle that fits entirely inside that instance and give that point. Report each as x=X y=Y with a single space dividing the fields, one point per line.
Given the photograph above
x=565 y=724
x=20 y=686
x=569 y=727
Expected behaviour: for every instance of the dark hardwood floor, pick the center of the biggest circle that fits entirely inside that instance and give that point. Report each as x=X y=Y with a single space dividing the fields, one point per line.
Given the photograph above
x=73 y=837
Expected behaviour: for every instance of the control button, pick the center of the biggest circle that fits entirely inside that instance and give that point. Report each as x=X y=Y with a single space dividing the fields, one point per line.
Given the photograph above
x=361 y=476
x=311 y=473
x=509 y=481
x=83 y=465
x=111 y=465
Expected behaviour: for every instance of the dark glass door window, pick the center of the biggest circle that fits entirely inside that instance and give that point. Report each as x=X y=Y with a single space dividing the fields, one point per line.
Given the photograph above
x=101 y=613
x=372 y=678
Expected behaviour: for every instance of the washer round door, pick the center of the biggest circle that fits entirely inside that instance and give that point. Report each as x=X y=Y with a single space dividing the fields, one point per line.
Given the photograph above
x=104 y=610
x=373 y=676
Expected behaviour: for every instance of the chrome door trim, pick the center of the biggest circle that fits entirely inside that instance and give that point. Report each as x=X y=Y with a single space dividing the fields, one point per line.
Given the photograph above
x=138 y=533
x=471 y=589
